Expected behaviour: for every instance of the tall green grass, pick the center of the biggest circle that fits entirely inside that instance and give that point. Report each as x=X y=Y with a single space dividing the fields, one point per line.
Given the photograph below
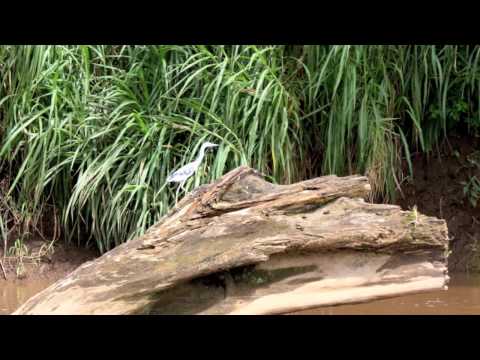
x=94 y=131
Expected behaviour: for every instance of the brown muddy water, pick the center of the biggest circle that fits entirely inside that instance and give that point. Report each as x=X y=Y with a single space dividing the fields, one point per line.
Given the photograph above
x=462 y=298
x=14 y=294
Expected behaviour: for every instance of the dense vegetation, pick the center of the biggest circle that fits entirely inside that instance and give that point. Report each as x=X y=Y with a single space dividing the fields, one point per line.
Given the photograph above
x=90 y=133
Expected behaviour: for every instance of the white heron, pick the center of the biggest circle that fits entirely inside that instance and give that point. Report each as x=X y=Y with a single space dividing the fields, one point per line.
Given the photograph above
x=182 y=174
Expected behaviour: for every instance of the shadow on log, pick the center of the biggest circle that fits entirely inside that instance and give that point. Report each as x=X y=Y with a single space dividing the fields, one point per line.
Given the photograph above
x=245 y=246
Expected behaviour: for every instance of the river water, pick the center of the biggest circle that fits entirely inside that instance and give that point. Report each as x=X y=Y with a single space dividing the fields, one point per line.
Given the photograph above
x=462 y=298
x=14 y=294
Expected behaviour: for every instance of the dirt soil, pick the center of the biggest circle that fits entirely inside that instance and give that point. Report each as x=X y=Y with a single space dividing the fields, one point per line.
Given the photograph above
x=437 y=190
x=37 y=275
x=63 y=261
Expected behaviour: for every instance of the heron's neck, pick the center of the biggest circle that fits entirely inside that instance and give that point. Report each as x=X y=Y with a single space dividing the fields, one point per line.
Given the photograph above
x=201 y=154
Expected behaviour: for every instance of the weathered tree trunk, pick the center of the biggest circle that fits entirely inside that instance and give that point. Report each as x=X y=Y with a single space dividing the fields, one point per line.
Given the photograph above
x=243 y=245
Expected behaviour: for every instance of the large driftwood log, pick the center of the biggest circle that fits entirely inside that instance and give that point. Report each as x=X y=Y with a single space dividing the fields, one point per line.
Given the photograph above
x=243 y=245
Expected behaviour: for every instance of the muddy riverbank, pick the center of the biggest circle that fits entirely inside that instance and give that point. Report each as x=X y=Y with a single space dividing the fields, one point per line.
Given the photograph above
x=38 y=275
x=438 y=189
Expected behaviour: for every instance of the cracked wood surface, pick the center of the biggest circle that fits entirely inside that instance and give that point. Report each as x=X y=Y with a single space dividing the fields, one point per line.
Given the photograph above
x=239 y=221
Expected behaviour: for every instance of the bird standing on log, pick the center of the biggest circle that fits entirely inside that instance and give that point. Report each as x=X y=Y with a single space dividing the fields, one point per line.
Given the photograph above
x=182 y=174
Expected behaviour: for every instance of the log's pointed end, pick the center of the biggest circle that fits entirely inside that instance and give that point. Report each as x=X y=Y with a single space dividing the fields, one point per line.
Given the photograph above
x=209 y=193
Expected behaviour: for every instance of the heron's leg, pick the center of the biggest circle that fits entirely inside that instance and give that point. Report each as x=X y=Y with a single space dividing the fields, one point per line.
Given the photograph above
x=181 y=185
x=176 y=195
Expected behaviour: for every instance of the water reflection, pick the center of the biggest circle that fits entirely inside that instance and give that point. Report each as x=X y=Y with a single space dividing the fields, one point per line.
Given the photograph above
x=462 y=298
x=13 y=294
